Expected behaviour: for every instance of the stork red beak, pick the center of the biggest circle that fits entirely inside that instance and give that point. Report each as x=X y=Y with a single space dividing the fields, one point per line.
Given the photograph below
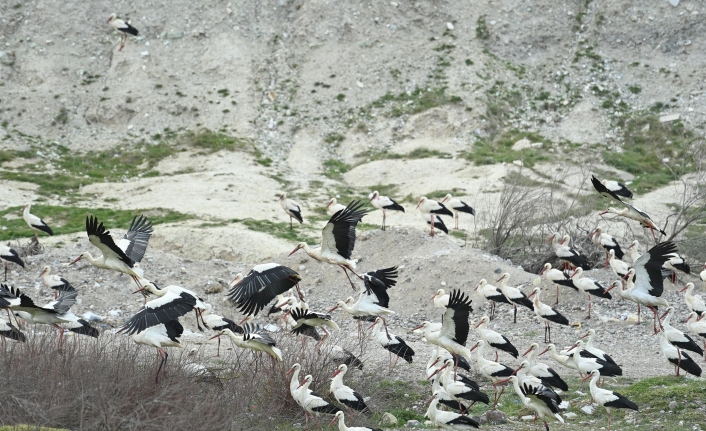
x=291 y=370
x=528 y=350
x=374 y=323
x=500 y=278
x=436 y=372
x=215 y=336
x=573 y=347
x=243 y=321
x=333 y=309
x=679 y=291
x=530 y=295
x=335 y=418
x=584 y=336
x=139 y=290
x=514 y=373
x=293 y=251
x=544 y=351
x=335 y=373
x=413 y=329
x=420 y=202
x=76 y=260
x=550 y=238
x=301 y=384
x=479 y=323
x=544 y=269
x=502 y=382
x=601 y=213
x=477 y=286
x=588 y=376
x=433 y=296
x=474 y=347
x=109 y=19
x=687 y=319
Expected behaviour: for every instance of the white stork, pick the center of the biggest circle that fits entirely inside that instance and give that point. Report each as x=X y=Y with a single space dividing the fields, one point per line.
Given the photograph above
x=385 y=204
x=633 y=251
x=607 y=242
x=55 y=313
x=702 y=274
x=494 y=371
x=161 y=336
x=9 y=255
x=8 y=330
x=617 y=188
x=563 y=251
x=448 y=420
x=676 y=337
x=560 y=278
x=308 y=319
x=561 y=357
x=340 y=417
x=460 y=391
x=124 y=28
x=199 y=305
x=218 y=323
x=629 y=211
x=541 y=400
x=494 y=339
x=292 y=209
x=595 y=351
x=440 y=299
x=123 y=256
x=392 y=343
x=456 y=206
x=674 y=264
x=646 y=275
x=525 y=377
x=34 y=222
x=438 y=222
x=492 y=294
x=608 y=399
x=587 y=362
x=677 y=357
x=311 y=402
x=546 y=374
x=338 y=240
x=253 y=338
x=53 y=281
x=430 y=209
x=590 y=286
x=619 y=267
x=694 y=303
x=698 y=327
x=262 y=284
x=344 y=394
x=333 y=206
x=546 y=314
x=514 y=295
x=455 y=327
x=294 y=383
x=167 y=307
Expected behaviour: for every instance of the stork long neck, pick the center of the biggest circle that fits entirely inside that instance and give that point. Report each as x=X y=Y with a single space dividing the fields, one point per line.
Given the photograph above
x=516 y=384
x=533 y=356
x=376 y=330
x=338 y=380
x=100 y=262
x=295 y=378
x=666 y=321
x=342 y=424
x=594 y=381
x=25 y=211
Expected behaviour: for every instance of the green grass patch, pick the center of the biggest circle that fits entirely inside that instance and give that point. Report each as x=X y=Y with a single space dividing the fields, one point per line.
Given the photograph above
x=415 y=101
x=498 y=150
x=281 y=230
x=482 y=31
x=210 y=142
x=335 y=169
x=69 y=219
x=417 y=153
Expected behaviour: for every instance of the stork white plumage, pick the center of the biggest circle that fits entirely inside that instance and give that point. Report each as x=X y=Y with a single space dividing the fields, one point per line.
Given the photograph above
x=53 y=281
x=561 y=357
x=306 y=319
x=595 y=351
x=617 y=188
x=619 y=267
x=333 y=206
x=676 y=337
x=199 y=305
x=340 y=417
x=440 y=299
x=514 y=295
x=694 y=303
x=218 y=323
x=344 y=394
x=560 y=278
x=385 y=204
x=590 y=286
x=633 y=251
x=547 y=375
x=697 y=326
x=253 y=338
x=338 y=240
x=448 y=420
x=607 y=242
x=456 y=206
x=587 y=362
x=563 y=251
x=313 y=403
x=680 y=360
x=291 y=208
x=492 y=294
x=261 y=285
x=392 y=343
x=458 y=392
x=674 y=264
x=123 y=256
x=608 y=399
x=539 y=399
x=494 y=339
x=647 y=275
x=34 y=222
x=166 y=307
x=161 y=336
x=546 y=314
x=526 y=378
x=494 y=371
x=430 y=209
x=123 y=28
x=9 y=255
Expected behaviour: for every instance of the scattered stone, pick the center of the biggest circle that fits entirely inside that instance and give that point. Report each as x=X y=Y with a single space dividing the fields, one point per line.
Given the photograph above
x=144 y=53
x=587 y=409
x=570 y=415
x=522 y=144
x=412 y=424
x=527 y=418
x=450 y=26
x=174 y=34
x=115 y=313
x=517 y=163
x=92 y=317
x=668 y=118
x=388 y=419
x=496 y=417
x=673 y=405
x=214 y=288
x=674 y=3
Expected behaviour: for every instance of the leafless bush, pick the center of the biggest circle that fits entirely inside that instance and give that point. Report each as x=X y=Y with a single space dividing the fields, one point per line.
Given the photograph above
x=108 y=384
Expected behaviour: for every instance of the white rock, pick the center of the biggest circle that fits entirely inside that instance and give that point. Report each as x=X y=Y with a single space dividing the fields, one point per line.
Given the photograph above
x=674 y=3
x=667 y=118
x=570 y=415
x=522 y=144
x=449 y=26
x=144 y=53
x=92 y=317
x=394 y=4
x=517 y=163
x=588 y=409
x=359 y=84
x=388 y=419
x=527 y=418
x=443 y=283
x=115 y=313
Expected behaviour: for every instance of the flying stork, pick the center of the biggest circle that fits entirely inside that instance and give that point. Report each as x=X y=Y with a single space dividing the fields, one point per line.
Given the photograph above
x=292 y=209
x=262 y=284
x=253 y=338
x=124 y=28
x=456 y=206
x=199 y=305
x=338 y=239
x=34 y=222
x=306 y=319
x=385 y=204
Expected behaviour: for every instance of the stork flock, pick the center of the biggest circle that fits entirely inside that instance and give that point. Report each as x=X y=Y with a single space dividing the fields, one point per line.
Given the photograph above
x=537 y=385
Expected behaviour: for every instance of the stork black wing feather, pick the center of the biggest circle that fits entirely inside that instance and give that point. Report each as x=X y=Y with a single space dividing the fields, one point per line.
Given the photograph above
x=344 y=223
x=138 y=234
x=174 y=330
x=460 y=303
x=94 y=228
x=152 y=316
x=262 y=284
x=658 y=255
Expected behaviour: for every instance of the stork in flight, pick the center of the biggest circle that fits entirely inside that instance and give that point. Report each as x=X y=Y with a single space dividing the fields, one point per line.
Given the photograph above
x=121 y=26
x=123 y=256
x=262 y=284
x=338 y=240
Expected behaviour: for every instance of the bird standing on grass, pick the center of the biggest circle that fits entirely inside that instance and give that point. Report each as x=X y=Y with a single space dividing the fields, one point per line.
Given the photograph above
x=35 y=222
x=292 y=209
x=608 y=399
x=121 y=26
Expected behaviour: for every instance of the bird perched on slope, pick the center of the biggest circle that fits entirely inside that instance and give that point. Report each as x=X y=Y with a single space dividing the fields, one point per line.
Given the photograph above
x=430 y=209
x=456 y=206
x=9 y=255
x=606 y=242
x=292 y=209
x=539 y=399
x=608 y=399
x=542 y=371
x=492 y=294
x=124 y=28
x=590 y=286
x=563 y=251
x=385 y=204
x=34 y=222
x=694 y=303
x=547 y=314
x=448 y=420
x=391 y=343
x=560 y=278
x=345 y=395
x=514 y=295
x=340 y=417
x=313 y=403
x=494 y=339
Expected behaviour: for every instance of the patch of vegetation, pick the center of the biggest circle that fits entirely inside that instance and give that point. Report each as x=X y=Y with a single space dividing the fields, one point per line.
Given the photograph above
x=70 y=219
x=334 y=138
x=651 y=150
x=416 y=101
x=635 y=89
x=490 y=151
x=482 y=28
x=62 y=117
x=211 y=142
x=335 y=169
x=280 y=230
x=264 y=161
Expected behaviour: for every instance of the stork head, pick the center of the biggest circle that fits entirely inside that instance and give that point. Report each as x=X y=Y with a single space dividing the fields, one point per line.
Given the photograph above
x=692 y=314
x=535 y=291
x=307 y=380
x=424 y=324
x=45 y=271
x=373 y=195
x=512 y=379
x=377 y=320
x=547 y=266
x=295 y=367
x=112 y=17
x=332 y=201
x=688 y=286
x=421 y=200
x=26 y=207
x=551 y=238
x=550 y=347
x=505 y=276
x=597 y=231
x=439 y=292
x=483 y=321
x=446 y=198
x=613 y=285
x=299 y=247
x=481 y=283
x=337 y=416
x=147 y=287
x=338 y=304
x=81 y=256
x=593 y=373
x=533 y=346
x=343 y=368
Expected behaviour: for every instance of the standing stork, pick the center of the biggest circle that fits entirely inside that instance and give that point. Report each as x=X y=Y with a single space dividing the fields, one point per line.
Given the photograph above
x=53 y=281
x=595 y=351
x=608 y=399
x=698 y=327
x=561 y=357
x=546 y=314
x=541 y=400
x=338 y=240
x=292 y=209
x=440 y=299
x=344 y=394
x=438 y=222
x=9 y=255
x=333 y=206
x=492 y=294
x=619 y=267
x=677 y=357
x=694 y=303
x=392 y=343
x=34 y=222
x=123 y=256
x=430 y=209
x=563 y=251
x=494 y=371
x=514 y=295
x=587 y=362
x=124 y=28
x=340 y=417
x=606 y=242
x=161 y=336
x=313 y=403
x=459 y=392
x=495 y=340
x=590 y=286
x=676 y=337
x=385 y=204
x=560 y=278
x=547 y=375
x=457 y=206
x=262 y=284
x=253 y=338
